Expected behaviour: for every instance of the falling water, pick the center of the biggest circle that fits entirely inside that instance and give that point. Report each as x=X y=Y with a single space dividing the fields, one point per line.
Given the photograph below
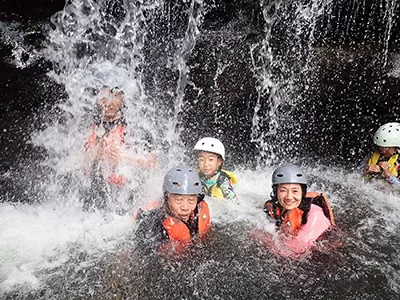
x=183 y=79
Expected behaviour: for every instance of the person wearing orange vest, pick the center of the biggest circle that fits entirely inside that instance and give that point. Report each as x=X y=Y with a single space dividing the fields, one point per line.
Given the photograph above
x=301 y=217
x=105 y=149
x=217 y=183
x=384 y=162
x=179 y=218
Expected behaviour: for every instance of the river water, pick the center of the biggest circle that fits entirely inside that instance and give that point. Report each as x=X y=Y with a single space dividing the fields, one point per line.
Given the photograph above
x=185 y=79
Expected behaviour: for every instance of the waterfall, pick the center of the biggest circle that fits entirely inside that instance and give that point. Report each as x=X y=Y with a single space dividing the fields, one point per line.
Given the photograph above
x=276 y=81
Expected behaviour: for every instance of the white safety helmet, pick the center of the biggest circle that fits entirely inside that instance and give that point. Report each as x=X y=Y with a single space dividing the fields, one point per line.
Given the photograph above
x=388 y=135
x=210 y=144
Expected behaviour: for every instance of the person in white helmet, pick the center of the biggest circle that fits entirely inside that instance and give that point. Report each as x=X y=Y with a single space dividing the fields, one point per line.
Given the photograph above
x=384 y=161
x=217 y=183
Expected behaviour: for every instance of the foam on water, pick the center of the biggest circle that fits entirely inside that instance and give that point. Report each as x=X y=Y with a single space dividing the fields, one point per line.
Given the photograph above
x=35 y=238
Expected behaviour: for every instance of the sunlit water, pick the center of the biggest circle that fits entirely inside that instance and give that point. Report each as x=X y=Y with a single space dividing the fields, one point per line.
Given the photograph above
x=51 y=249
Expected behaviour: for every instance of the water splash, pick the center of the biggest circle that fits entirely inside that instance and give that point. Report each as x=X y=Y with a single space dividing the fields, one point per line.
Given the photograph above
x=195 y=19
x=24 y=42
x=65 y=252
x=282 y=66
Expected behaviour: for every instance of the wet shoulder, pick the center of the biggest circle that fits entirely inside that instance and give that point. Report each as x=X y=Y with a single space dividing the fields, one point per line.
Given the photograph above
x=232 y=176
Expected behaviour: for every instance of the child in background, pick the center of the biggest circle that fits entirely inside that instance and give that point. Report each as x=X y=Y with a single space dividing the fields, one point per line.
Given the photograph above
x=106 y=150
x=217 y=183
x=384 y=161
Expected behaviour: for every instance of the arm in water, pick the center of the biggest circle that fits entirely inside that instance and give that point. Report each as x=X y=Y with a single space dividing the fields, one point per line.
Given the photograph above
x=317 y=224
x=285 y=244
x=389 y=176
x=228 y=191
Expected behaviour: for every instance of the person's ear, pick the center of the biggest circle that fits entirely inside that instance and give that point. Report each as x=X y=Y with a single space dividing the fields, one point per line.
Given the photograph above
x=220 y=161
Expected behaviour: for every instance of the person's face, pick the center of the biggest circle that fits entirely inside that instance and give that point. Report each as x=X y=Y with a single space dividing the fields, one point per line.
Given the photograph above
x=110 y=104
x=182 y=206
x=209 y=163
x=289 y=195
x=387 y=151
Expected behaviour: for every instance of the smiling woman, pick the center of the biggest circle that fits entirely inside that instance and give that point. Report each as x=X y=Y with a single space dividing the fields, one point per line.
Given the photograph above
x=300 y=216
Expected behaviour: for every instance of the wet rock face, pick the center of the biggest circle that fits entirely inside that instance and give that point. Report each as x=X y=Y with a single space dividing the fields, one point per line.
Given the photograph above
x=24 y=10
x=24 y=90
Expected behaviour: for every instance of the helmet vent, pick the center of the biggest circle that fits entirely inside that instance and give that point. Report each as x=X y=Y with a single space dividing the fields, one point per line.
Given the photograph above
x=299 y=175
x=175 y=183
x=279 y=175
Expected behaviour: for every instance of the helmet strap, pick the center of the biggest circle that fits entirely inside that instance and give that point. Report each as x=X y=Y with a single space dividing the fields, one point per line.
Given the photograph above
x=204 y=177
x=166 y=194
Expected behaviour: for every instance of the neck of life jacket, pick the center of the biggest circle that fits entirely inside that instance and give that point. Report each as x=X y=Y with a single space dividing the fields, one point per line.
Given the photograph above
x=294 y=219
x=377 y=157
x=212 y=187
x=197 y=225
x=175 y=229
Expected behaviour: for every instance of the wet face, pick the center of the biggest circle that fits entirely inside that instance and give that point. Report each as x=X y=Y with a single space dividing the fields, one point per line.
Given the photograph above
x=209 y=163
x=110 y=104
x=182 y=206
x=387 y=151
x=289 y=195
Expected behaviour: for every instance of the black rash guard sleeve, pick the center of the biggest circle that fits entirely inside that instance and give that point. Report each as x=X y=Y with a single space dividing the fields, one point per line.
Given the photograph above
x=150 y=232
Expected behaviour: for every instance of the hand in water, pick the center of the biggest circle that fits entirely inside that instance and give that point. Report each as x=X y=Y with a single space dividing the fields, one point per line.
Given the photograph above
x=236 y=200
x=147 y=161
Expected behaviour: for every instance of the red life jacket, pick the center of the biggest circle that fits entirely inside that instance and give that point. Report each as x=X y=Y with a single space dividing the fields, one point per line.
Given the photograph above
x=295 y=218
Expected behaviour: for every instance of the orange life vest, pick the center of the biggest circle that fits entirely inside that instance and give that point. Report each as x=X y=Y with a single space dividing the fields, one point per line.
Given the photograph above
x=178 y=230
x=114 y=136
x=295 y=218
